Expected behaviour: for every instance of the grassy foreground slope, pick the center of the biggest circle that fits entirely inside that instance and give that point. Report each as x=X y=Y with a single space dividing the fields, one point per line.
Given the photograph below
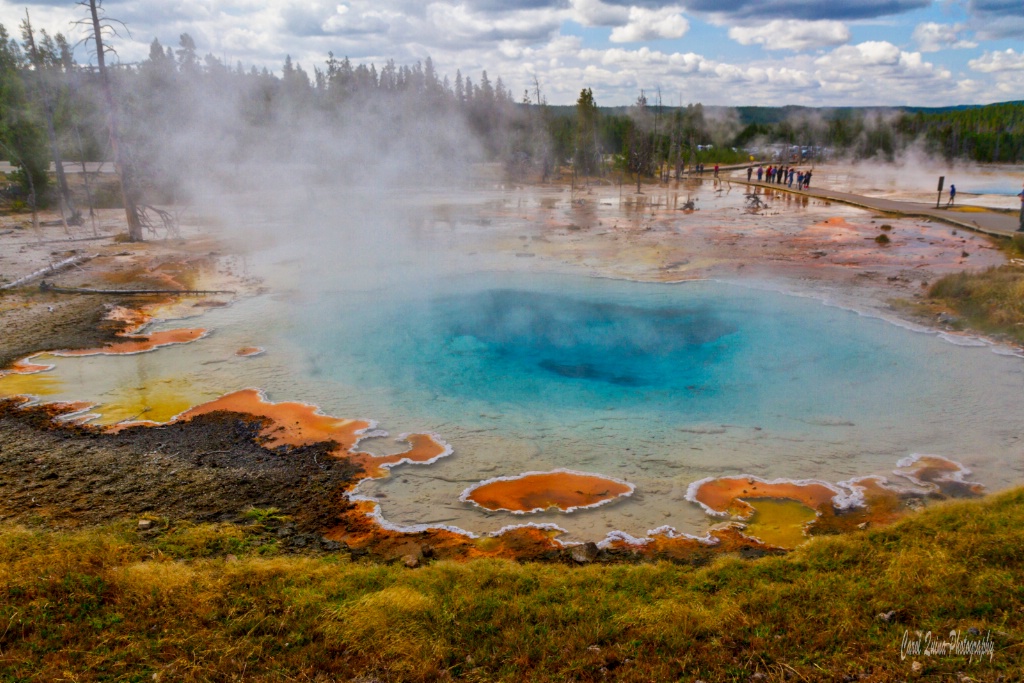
x=192 y=603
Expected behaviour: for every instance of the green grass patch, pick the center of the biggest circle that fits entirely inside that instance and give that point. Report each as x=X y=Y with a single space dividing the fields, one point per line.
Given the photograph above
x=1014 y=247
x=991 y=300
x=207 y=602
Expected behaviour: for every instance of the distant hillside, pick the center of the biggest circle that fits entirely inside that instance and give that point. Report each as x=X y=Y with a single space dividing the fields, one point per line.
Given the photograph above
x=772 y=115
x=980 y=132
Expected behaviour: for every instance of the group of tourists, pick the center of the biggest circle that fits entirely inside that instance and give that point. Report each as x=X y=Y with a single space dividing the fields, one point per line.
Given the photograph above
x=781 y=175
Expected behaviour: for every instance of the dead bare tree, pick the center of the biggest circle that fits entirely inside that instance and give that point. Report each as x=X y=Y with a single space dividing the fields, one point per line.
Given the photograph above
x=755 y=204
x=640 y=150
x=97 y=28
x=163 y=220
x=68 y=213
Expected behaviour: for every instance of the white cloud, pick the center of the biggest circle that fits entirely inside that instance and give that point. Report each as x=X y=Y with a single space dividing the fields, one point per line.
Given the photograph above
x=1007 y=70
x=344 y=21
x=878 y=58
x=792 y=34
x=516 y=39
x=645 y=24
x=871 y=53
x=932 y=37
x=996 y=19
x=597 y=13
x=756 y=10
x=993 y=62
x=458 y=25
x=878 y=72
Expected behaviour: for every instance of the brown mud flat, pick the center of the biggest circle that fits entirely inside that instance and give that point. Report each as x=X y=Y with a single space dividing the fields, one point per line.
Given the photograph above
x=58 y=473
x=76 y=323
x=209 y=469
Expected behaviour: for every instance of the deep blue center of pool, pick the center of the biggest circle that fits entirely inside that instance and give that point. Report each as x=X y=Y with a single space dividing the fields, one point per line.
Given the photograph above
x=569 y=339
x=569 y=347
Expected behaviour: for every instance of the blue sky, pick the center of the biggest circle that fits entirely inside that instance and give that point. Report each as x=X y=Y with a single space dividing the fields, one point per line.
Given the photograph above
x=722 y=52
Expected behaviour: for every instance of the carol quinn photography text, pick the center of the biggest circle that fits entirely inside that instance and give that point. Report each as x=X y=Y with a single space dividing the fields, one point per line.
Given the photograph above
x=928 y=644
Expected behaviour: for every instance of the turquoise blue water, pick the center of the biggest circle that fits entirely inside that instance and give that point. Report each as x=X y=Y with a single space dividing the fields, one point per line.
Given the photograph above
x=566 y=348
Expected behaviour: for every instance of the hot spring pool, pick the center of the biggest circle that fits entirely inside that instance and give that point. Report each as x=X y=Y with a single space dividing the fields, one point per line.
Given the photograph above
x=657 y=385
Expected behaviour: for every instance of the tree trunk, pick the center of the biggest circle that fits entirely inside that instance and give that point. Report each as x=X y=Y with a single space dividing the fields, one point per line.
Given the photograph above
x=42 y=78
x=131 y=209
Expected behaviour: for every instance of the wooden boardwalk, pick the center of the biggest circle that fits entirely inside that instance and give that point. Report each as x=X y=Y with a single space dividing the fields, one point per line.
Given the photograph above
x=987 y=221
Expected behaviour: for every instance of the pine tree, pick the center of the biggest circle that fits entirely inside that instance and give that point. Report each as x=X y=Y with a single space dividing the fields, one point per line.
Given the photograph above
x=21 y=137
x=586 y=157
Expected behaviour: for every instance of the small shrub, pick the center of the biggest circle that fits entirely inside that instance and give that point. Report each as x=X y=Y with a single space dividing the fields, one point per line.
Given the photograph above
x=1014 y=247
x=886 y=227
x=883 y=239
x=264 y=516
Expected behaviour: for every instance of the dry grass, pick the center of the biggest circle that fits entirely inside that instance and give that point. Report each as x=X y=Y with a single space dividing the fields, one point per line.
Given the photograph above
x=110 y=604
x=991 y=300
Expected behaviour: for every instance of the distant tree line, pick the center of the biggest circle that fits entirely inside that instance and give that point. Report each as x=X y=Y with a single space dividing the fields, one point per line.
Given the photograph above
x=994 y=133
x=53 y=109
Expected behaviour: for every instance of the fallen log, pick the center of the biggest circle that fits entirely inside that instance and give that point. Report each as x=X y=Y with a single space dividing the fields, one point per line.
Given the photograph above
x=47 y=287
x=64 y=240
x=49 y=270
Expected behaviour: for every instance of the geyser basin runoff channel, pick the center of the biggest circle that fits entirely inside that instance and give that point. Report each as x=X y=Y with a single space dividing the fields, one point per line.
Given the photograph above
x=655 y=385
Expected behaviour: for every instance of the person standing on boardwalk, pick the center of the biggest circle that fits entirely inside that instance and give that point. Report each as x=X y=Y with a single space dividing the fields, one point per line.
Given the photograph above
x=760 y=172
x=750 y=172
x=1021 y=195
x=952 y=195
